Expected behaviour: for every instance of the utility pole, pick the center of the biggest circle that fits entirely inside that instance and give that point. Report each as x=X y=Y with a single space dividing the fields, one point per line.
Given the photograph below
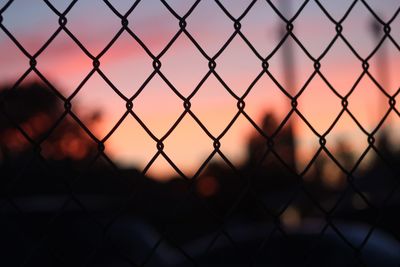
x=381 y=63
x=289 y=74
x=383 y=79
x=287 y=49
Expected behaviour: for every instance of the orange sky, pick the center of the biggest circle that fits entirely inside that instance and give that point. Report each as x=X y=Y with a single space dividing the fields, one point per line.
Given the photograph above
x=127 y=66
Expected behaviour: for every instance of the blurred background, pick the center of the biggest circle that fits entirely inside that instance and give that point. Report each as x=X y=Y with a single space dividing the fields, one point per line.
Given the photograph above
x=290 y=143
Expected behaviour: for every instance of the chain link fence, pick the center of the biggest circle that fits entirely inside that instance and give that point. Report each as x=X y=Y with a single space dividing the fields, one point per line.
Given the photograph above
x=73 y=209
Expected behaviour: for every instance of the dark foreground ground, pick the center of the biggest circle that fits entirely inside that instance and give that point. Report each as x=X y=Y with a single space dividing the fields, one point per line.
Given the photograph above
x=104 y=219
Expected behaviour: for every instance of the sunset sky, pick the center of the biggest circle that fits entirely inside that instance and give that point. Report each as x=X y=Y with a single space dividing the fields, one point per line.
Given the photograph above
x=127 y=66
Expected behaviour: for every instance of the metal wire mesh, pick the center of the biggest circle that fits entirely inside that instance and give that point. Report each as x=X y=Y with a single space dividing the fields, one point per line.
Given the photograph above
x=245 y=179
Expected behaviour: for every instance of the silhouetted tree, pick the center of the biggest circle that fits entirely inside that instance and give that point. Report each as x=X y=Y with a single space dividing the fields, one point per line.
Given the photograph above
x=35 y=110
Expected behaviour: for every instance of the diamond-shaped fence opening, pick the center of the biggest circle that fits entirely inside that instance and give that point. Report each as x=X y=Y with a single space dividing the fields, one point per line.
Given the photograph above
x=180 y=133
